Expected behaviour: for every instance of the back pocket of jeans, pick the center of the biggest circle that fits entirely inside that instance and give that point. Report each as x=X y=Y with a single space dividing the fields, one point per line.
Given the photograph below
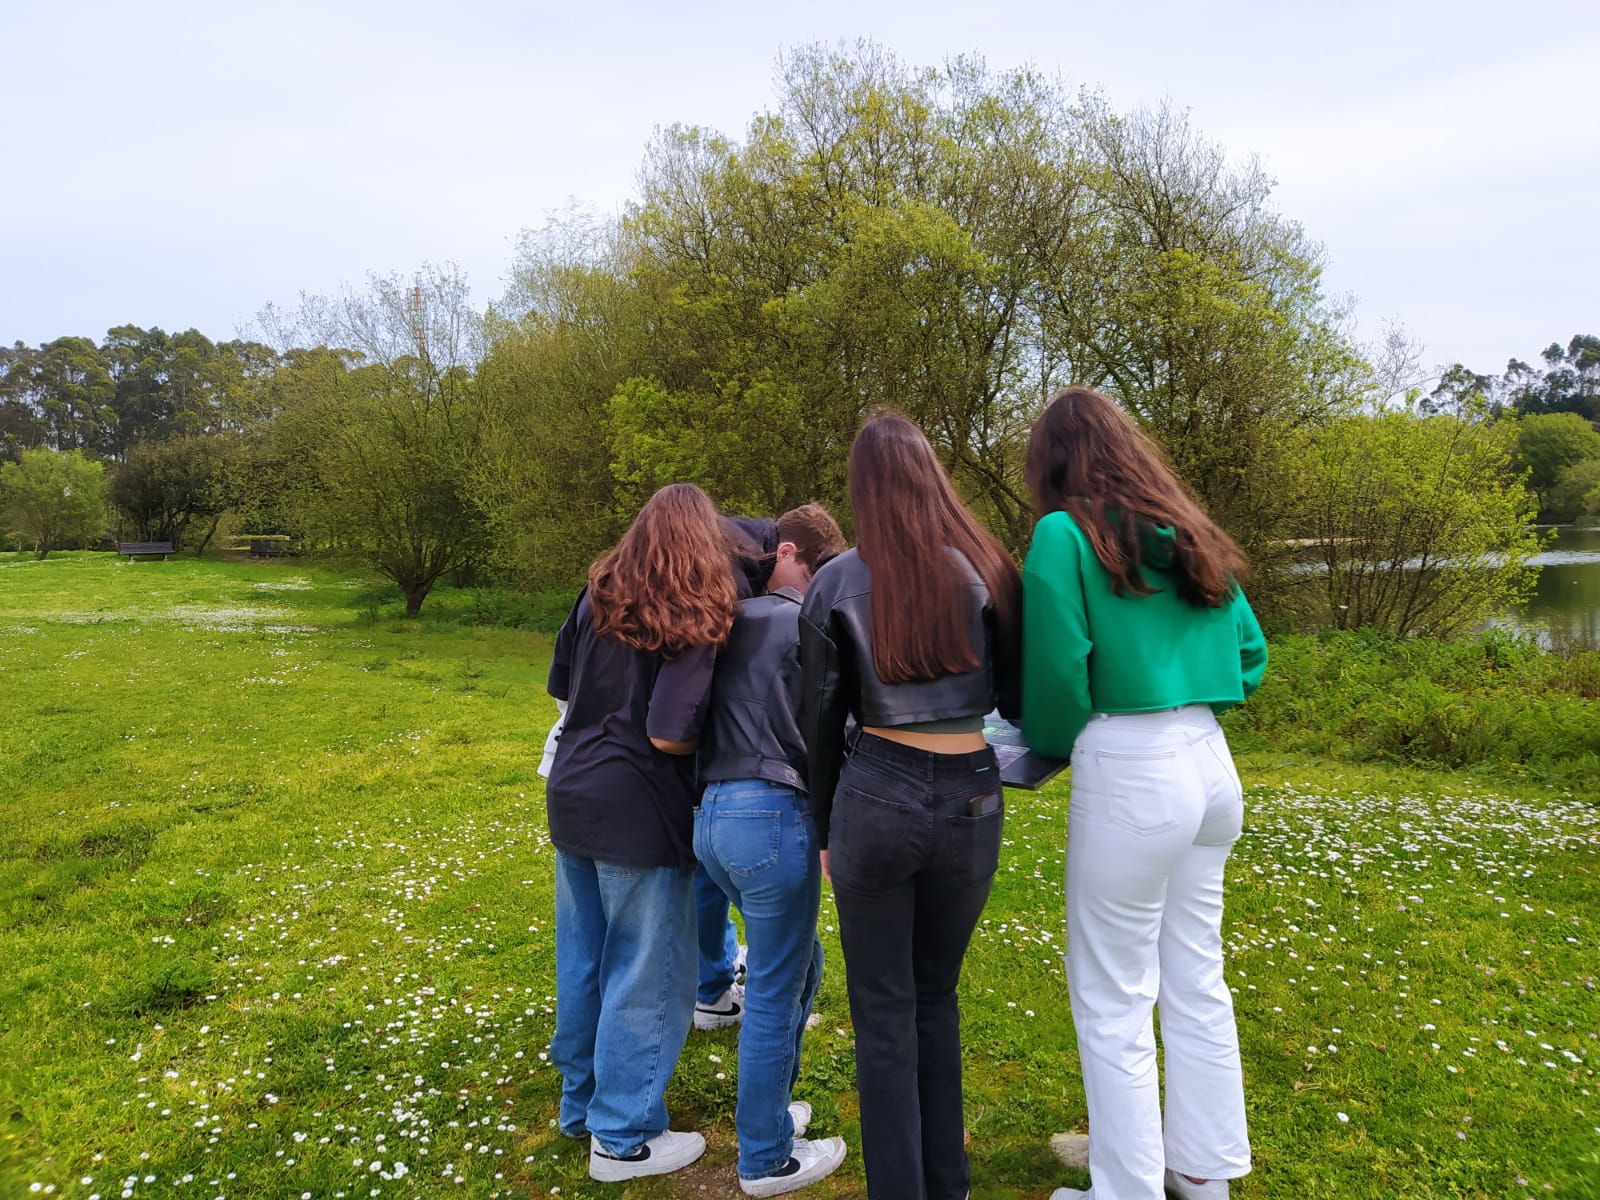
x=746 y=843
x=975 y=844
x=874 y=839
x=1136 y=789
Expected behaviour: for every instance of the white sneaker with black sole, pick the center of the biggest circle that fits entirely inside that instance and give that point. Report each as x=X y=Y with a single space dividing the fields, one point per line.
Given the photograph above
x=726 y=1010
x=808 y=1162
x=663 y=1153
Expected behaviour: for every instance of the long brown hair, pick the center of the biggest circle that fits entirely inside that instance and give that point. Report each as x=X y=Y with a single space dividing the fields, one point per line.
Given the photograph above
x=908 y=519
x=1088 y=458
x=667 y=585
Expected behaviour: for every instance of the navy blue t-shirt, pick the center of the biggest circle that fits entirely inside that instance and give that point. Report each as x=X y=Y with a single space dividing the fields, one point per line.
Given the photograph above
x=611 y=795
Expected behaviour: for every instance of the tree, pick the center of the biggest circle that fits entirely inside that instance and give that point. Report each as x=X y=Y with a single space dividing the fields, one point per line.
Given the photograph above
x=561 y=343
x=164 y=487
x=383 y=432
x=53 y=498
x=951 y=242
x=66 y=385
x=1577 y=492
x=1570 y=382
x=1420 y=525
x=1547 y=444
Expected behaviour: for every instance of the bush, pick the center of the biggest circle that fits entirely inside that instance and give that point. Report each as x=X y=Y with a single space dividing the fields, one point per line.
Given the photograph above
x=1495 y=702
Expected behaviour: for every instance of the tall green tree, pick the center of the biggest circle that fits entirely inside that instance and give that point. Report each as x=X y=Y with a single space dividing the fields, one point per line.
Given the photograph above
x=1547 y=444
x=170 y=487
x=53 y=498
x=383 y=449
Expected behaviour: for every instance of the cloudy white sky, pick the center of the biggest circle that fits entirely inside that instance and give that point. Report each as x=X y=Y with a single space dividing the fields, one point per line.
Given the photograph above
x=182 y=163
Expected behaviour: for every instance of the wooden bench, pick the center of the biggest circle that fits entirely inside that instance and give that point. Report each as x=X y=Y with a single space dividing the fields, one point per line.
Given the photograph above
x=143 y=549
x=269 y=547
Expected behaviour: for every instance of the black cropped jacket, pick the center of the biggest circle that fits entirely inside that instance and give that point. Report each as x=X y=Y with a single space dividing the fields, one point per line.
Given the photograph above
x=840 y=682
x=752 y=728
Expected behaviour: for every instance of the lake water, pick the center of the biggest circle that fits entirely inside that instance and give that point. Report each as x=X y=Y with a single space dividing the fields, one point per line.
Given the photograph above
x=1565 y=607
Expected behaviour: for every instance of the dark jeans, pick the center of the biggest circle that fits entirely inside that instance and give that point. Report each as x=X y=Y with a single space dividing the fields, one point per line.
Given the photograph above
x=911 y=872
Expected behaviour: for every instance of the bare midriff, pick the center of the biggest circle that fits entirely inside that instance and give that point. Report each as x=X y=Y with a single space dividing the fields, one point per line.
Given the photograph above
x=933 y=743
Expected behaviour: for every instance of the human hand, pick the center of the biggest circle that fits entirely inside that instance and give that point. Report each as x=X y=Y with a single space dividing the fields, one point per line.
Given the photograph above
x=826 y=874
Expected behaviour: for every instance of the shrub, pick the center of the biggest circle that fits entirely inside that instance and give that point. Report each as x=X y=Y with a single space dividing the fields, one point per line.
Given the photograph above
x=1495 y=702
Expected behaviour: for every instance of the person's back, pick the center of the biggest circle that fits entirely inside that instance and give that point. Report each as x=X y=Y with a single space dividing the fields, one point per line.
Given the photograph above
x=634 y=666
x=755 y=840
x=611 y=794
x=1115 y=651
x=914 y=635
x=1135 y=634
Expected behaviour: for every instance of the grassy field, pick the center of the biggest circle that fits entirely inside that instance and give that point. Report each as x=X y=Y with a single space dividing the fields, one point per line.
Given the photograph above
x=275 y=920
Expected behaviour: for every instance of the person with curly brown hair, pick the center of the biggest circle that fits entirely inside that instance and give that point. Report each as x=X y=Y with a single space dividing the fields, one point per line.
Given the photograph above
x=634 y=665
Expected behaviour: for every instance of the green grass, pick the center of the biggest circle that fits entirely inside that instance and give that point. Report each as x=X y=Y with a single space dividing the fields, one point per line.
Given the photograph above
x=275 y=905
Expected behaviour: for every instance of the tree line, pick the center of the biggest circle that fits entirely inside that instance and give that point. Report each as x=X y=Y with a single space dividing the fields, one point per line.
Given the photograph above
x=951 y=242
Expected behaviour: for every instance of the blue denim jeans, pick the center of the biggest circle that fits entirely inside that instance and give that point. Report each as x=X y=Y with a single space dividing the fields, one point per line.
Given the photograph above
x=625 y=967
x=719 y=942
x=756 y=841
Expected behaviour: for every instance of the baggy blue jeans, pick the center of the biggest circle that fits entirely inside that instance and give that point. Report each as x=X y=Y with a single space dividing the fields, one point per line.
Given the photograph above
x=756 y=841
x=625 y=980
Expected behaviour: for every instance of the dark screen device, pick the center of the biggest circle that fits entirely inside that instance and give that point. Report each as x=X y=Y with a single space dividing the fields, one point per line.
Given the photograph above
x=1019 y=766
x=982 y=806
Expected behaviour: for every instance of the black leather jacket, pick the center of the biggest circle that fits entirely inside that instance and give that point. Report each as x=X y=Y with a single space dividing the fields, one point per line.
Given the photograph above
x=840 y=681
x=752 y=729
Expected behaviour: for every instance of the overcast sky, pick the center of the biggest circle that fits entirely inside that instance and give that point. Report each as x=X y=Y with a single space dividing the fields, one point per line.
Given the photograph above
x=182 y=164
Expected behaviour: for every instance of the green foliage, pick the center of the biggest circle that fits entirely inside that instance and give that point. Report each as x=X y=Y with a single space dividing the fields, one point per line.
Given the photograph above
x=165 y=487
x=950 y=242
x=1548 y=444
x=53 y=499
x=1417 y=524
x=1577 y=491
x=1495 y=703
x=376 y=456
x=738 y=444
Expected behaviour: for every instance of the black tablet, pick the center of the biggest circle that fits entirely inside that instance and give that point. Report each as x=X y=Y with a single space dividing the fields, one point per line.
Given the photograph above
x=1019 y=766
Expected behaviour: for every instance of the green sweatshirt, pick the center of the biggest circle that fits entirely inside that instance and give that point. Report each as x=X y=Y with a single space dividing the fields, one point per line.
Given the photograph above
x=1086 y=649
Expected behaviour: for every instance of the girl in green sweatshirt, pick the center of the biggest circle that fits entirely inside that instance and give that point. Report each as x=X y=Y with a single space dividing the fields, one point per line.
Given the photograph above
x=1135 y=634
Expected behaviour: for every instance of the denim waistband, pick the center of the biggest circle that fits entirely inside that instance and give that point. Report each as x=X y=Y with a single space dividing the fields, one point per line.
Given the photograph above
x=921 y=763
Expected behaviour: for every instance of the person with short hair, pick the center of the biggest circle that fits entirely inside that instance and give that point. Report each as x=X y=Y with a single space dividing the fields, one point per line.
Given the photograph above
x=1136 y=634
x=634 y=664
x=754 y=838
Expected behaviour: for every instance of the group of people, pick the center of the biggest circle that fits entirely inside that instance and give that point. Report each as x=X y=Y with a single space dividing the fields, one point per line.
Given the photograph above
x=750 y=708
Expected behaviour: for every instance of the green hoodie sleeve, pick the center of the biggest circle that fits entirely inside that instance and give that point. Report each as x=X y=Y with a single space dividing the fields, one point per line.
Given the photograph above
x=1252 y=643
x=1055 y=640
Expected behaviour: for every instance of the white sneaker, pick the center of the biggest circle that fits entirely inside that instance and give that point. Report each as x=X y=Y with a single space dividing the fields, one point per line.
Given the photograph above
x=663 y=1153
x=1211 y=1189
x=726 y=1010
x=1066 y=1193
x=741 y=966
x=800 y=1117
x=808 y=1162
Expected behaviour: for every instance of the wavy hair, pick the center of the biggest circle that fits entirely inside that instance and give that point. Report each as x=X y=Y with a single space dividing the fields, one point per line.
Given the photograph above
x=908 y=518
x=667 y=585
x=1088 y=458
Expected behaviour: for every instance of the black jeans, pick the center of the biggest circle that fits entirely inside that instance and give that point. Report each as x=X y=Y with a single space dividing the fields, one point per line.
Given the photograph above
x=911 y=867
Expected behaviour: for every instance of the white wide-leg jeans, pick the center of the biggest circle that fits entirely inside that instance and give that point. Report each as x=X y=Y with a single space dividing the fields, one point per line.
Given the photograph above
x=1156 y=808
